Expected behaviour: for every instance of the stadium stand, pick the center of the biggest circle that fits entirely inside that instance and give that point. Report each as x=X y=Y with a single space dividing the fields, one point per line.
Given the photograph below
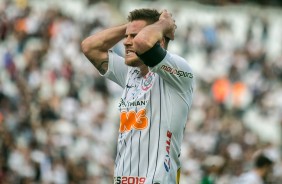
x=58 y=122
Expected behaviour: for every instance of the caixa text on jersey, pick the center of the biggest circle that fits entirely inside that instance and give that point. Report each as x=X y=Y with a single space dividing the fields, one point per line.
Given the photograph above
x=177 y=72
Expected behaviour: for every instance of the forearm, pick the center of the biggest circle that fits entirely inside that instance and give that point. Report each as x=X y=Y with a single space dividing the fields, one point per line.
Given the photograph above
x=149 y=36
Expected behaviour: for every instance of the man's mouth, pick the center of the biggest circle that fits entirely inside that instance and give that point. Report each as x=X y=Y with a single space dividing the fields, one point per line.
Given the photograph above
x=129 y=52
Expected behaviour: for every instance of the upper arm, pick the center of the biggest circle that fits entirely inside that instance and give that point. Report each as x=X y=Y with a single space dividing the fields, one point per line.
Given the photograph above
x=96 y=47
x=99 y=58
x=117 y=70
x=176 y=72
x=172 y=68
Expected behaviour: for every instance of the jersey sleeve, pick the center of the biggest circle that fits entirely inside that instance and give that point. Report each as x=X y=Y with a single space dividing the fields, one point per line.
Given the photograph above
x=176 y=72
x=117 y=70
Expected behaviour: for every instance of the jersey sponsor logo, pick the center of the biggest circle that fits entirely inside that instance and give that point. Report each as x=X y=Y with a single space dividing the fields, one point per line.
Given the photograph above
x=129 y=180
x=124 y=103
x=131 y=119
x=176 y=72
x=148 y=82
x=167 y=156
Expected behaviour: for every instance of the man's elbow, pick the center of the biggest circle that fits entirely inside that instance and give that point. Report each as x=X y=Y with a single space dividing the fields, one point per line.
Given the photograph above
x=86 y=47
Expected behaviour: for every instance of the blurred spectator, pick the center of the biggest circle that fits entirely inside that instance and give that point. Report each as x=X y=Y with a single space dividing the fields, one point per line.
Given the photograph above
x=259 y=174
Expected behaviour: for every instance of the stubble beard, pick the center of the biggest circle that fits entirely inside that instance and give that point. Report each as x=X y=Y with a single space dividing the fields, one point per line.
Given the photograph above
x=133 y=62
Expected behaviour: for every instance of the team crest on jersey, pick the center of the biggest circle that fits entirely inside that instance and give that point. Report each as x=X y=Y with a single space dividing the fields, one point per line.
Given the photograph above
x=148 y=81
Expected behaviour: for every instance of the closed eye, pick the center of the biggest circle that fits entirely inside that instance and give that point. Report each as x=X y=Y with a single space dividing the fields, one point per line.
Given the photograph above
x=130 y=35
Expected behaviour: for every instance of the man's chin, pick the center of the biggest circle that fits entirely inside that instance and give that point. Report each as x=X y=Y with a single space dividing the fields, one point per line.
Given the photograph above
x=133 y=63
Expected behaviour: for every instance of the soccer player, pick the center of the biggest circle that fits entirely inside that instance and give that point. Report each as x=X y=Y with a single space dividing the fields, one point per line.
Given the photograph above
x=158 y=89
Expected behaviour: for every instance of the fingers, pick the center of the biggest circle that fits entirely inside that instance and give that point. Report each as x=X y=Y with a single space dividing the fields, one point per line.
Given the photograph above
x=165 y=13
x=168 y=16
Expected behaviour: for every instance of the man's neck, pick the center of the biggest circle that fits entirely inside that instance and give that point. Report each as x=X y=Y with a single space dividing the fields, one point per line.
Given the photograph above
x=144 y=70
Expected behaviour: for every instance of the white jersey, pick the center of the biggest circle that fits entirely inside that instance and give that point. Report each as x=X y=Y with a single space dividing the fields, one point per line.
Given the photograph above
x=153 y=113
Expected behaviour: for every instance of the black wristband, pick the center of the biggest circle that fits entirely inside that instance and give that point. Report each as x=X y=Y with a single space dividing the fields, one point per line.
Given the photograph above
x=153 y=56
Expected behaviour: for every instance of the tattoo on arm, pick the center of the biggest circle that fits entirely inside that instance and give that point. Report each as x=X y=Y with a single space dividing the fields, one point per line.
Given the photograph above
x=103 y=67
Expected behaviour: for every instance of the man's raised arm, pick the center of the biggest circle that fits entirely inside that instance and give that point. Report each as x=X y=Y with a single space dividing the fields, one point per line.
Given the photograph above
x=155 y=32
x=96 y=47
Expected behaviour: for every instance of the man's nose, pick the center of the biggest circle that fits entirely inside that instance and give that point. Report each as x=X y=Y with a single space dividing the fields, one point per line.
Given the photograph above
x=127 y=41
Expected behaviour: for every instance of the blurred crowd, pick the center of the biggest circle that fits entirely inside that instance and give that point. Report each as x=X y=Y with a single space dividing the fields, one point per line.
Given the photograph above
x=58 y=123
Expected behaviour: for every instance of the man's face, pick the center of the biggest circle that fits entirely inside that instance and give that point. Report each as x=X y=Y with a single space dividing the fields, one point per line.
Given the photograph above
x=133 y=28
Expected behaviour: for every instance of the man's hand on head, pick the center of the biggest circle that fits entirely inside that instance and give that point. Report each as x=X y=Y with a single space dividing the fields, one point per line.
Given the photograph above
x=170 y=24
